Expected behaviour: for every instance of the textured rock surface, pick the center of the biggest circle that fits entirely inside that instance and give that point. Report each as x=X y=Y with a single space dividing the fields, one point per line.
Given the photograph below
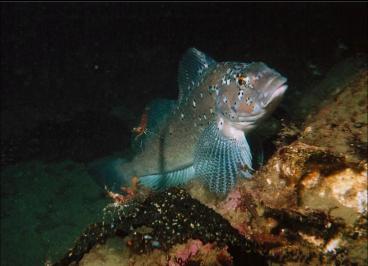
x=161 y=221
x=341 y=124
x=193 y=252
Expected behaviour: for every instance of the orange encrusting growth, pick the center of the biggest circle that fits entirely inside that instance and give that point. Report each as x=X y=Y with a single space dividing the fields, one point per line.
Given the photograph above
x=129 y=192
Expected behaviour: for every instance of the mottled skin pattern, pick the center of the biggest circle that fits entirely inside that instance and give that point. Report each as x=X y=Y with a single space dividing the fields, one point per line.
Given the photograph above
x=205 y=133
x=215 y=98
x=176 y=142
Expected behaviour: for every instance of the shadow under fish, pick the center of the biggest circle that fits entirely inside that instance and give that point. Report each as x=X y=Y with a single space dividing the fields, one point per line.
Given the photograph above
x=203 y=134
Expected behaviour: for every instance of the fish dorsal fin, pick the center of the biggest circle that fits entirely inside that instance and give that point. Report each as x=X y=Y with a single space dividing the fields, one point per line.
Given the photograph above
x=191 y=69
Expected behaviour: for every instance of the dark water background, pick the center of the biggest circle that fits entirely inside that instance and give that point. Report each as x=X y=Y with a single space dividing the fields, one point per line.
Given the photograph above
x=66 y=68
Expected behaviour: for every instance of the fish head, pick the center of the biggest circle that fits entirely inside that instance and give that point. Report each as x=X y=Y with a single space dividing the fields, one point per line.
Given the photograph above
x=247 y=94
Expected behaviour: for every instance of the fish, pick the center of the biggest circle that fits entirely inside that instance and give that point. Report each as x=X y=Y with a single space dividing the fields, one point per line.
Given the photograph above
x=204 y=133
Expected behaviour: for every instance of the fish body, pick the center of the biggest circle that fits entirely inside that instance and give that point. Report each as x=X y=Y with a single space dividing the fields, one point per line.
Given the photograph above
x=205 y=133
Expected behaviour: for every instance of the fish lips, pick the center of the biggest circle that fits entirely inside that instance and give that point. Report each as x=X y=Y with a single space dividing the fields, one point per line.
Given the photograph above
x=273 y=92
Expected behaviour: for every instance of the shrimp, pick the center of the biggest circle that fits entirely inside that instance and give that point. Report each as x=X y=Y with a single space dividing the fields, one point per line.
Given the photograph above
x=142 y=128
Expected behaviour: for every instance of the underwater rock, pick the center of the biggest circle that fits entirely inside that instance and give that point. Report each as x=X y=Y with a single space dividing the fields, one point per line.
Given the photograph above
x=193 y=252
x=335 y=81
x=341 y=124
x=170 y=217
x=343 y=194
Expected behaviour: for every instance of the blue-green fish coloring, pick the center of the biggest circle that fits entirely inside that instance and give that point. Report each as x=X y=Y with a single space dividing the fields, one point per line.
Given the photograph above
x=203 y=134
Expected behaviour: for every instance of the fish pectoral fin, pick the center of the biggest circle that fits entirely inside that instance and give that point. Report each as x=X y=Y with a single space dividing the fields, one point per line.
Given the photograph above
x=219 y=160
x=169 y=179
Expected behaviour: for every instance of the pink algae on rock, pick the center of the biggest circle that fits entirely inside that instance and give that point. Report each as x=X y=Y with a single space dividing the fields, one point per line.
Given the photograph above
x=182 y=253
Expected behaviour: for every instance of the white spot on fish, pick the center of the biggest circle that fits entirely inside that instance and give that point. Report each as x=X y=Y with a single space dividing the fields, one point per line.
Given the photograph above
x=240 y=95
x=211 y=111
x=247 y=81
x=201 y=95
x=204 y=117
x=194 y=104
x=220 y=124
x=225 y=99
x=182 y=116
x=228 y=82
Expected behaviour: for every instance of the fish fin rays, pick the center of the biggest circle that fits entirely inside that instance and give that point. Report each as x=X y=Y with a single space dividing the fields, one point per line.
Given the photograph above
x=192 y=67
x=169 y=179
x=219 y=160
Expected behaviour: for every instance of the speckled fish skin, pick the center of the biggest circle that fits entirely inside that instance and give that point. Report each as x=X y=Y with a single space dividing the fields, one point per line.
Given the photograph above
x=218 y=104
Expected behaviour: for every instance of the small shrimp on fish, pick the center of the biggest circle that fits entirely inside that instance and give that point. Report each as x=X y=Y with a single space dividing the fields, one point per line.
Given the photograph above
x=142 y=128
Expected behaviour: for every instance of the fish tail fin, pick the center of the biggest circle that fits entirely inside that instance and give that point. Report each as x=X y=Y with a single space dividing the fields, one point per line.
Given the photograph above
x=108 y=173
x=170 y=179
x=220 y=160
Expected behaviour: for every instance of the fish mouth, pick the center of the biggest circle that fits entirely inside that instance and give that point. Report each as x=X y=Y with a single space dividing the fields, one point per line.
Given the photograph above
x=268 y=99
x=273 y=91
